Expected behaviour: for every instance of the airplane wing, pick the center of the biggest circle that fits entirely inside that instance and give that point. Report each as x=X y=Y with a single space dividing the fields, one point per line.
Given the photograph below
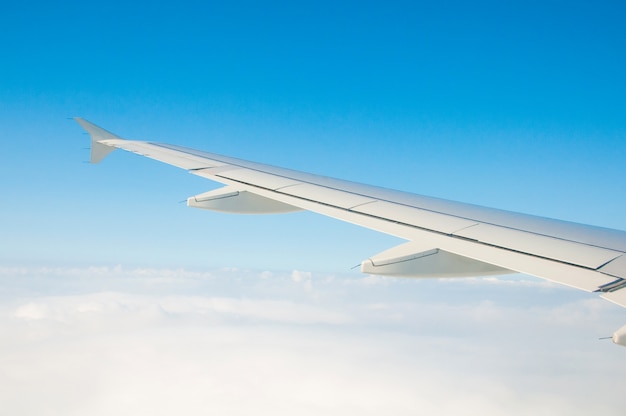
x=444 y=238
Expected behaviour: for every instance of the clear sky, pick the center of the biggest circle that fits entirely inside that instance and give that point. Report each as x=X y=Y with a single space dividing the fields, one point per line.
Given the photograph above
x=518 y=107
x=514 y=105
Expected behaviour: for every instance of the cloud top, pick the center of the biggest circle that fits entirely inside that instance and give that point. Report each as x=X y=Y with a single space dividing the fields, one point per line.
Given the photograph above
x=238 y=342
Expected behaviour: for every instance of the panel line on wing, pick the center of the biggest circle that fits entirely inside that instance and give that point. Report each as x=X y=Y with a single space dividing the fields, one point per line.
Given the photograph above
x=460 y=237
x=526 y=242
x=445 y=223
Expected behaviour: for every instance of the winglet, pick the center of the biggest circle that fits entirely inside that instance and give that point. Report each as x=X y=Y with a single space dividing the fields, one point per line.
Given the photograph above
x=99 y=148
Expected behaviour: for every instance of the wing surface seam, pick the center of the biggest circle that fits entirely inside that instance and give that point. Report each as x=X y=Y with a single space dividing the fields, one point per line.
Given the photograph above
x=244 y=165
x=259 y=168
x=418 y=227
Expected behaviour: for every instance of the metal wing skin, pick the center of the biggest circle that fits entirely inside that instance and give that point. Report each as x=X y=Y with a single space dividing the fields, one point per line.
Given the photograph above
x=444 y=238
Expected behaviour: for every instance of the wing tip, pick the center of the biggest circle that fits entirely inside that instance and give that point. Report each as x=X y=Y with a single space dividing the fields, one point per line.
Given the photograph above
x=99 y=150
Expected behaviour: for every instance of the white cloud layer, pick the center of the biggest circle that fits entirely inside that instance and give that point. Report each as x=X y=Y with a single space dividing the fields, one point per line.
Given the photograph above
x=104 y=341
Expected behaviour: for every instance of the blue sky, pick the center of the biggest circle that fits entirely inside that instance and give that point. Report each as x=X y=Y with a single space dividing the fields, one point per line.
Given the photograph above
x=519 y=107
x=516 y=105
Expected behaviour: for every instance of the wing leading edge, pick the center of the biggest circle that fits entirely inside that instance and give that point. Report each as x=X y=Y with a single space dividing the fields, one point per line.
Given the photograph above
x=445 y=238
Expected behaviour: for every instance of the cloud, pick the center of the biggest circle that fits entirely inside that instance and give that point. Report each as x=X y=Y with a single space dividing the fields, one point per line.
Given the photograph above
x=299 y=276
x=32 y=311
x=238 y=342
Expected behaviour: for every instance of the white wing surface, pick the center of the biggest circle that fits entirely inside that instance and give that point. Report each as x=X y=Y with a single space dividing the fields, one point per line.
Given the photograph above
x=444 y=238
